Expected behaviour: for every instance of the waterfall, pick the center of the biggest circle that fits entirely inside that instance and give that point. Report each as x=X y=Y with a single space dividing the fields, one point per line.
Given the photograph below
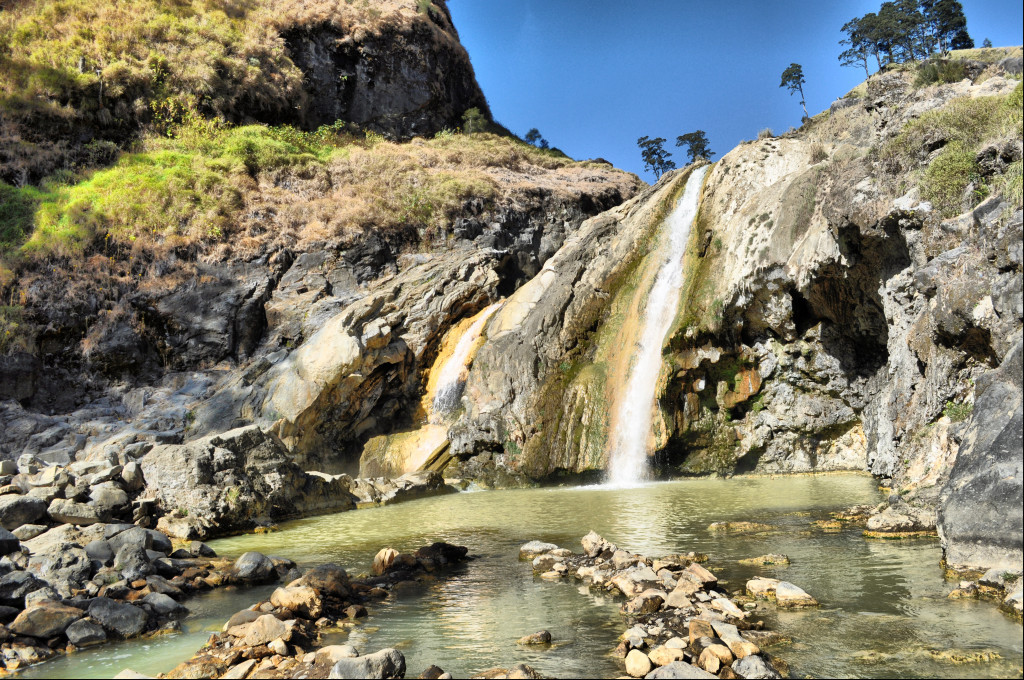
x=628 y=453
x=452 y=377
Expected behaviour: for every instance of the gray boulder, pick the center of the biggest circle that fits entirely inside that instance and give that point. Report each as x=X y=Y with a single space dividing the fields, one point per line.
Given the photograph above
x=254 y=567
x=16 y=510
x=122 y=619
x=133 y=562
x=981 y=510
x=101 y=552
x=65 y=566
x=135 y=536
x=15 y=586
x=8 y=542
x=755 y=666
x=84 y=633
x=67 y=511
x=164 y=605
x=679 y=669
x=387 y=663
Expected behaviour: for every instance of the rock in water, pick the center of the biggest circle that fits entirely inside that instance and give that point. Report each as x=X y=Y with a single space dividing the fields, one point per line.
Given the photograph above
x=542 y=637
x=789 y=595
x=534 y=548
x=123 y=619
x=679 y=670
x=387 y=663
x=383 y=560
x=254 y=567
x=84 y=633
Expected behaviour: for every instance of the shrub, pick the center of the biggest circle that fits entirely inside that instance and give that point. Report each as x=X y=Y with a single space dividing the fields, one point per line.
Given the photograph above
x=940 y=71
x=766 y=133
x=948 y=176
x=958 y=412
x=818 y=152
x=473 y=121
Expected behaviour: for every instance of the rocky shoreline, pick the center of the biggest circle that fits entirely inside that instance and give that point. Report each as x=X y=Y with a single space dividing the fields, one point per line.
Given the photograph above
x=680 y=623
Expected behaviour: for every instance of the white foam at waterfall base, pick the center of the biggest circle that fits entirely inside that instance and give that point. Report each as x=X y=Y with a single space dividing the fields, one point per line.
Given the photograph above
x=628 y=454
x=452 y=379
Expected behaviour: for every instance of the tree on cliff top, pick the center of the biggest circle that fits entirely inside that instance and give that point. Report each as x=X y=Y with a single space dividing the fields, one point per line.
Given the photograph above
x=697 y=145
x=533 y=137
x=793 y=79
x=654 y=155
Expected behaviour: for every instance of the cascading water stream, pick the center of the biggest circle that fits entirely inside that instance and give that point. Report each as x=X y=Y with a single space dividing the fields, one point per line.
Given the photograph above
x=628 y=453
x=452 y=378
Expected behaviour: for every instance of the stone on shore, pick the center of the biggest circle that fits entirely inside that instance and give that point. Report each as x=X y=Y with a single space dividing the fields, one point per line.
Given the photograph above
x=754 y=667
x=334 y=653
x=383 y=560
x=17 y=510
x=120 y=618
x=84 y=633
x=45 y=620
x=789 y=595
x=595 y=546
x=679 y=670
x=664 y=655
x=387 y=663
x=638 y=664
x=8 y=542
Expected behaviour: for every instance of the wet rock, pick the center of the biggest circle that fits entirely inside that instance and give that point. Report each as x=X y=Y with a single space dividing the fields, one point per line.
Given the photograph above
x=789 y=595
x=254 y=567
x=432 y=673
x=738 y=645
x=122 y=619
x=45 y=620
x=762 y=588
x=18 y=510
x=164 y=605
x=84 y=633
x=534 y=548
x=542 y=637
x=638 y=664
x=387 y=663
x=900 y=520
x=755 y=666
x=300 y=599
x=645 y=603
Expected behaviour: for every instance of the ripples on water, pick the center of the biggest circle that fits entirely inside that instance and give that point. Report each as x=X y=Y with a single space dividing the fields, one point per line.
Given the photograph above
x=884 y=609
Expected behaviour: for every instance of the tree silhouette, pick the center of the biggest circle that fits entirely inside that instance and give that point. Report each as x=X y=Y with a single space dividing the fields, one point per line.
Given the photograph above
x=533 y=137
x=654 y=155
x=696 y=145
x=793 y=79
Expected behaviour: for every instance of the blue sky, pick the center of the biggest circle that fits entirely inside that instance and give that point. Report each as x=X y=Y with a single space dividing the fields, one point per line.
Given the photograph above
x=594 y=75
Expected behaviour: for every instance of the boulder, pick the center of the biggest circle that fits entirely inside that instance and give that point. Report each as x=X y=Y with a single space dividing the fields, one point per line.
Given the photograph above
x=383 y=560
x=299 y=599
x=18 y=510
x=329 y=580
x=164 y=605
x=762 y=588
x=65 y=566
x=755 y=666
x=638 y=664
x=333 y=653
x=254 y=567
x=100 y=551
x=67 y=511
x=679 y=670
x=791 y=596
x=84 y=633
x=542 y=637
x=263 y=630
x=15 y=586
x=122 y=619
x=45 y=620
x=27 y=532
x=664 y=655
x=530 y=550
x=594 y=545
x=387 y=663
x=8 y=542
x=133 y=562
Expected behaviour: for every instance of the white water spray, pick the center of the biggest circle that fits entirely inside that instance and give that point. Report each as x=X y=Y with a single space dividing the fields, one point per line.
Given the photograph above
x=628 y=459
x=452 y=379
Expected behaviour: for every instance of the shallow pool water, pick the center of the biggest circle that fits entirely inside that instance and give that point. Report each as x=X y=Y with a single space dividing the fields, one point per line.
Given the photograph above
x=883 y=614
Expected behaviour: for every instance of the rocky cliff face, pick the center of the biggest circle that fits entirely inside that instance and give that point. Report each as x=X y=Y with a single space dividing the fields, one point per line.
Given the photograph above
x=832 y=319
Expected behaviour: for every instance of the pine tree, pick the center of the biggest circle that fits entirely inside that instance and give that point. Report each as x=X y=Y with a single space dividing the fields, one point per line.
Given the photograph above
x=656 y=159
x=696 y=145
x=793 y=79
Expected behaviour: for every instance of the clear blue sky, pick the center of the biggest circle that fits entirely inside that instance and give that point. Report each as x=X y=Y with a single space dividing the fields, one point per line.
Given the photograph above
x=594 y=75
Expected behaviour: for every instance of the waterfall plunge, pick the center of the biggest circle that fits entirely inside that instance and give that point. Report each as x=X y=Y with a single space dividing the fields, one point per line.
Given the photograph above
x=628 y=460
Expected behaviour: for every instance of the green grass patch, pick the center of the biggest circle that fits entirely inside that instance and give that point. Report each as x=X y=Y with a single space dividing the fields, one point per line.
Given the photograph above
x=958 y=413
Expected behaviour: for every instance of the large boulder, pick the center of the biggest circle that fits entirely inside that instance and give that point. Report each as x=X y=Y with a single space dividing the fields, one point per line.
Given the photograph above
x=122 y=619
x=254 y=567
x=45 y=620
x=981 y=511
x=16 y=510
x=387 y=663
x=222 y=483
